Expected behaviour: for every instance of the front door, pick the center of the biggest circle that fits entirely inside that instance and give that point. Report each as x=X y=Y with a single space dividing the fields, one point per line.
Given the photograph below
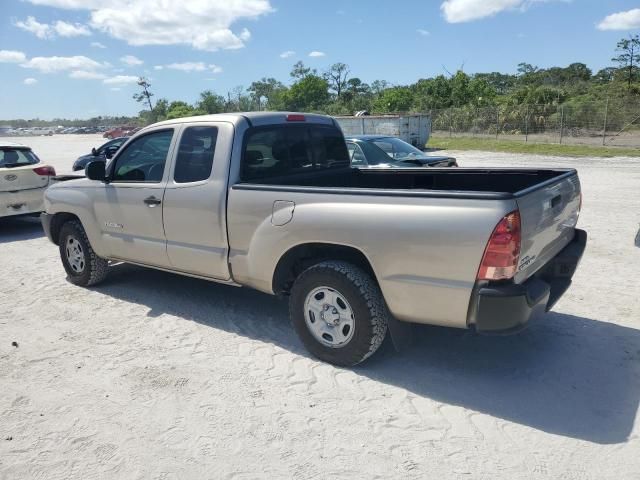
x=130 y=204
x=195 y=199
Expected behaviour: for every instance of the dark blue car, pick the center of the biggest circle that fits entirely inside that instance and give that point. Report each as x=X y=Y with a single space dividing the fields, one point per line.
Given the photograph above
x=103 y=153
x=390 y=152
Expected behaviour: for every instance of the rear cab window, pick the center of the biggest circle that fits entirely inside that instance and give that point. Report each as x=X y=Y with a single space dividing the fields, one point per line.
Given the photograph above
x=283 y=150
x=16 y=157
x=195 y=154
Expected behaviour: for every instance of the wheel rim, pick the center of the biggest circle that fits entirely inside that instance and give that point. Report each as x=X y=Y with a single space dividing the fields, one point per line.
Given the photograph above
x=329 y=317
x=75 y=254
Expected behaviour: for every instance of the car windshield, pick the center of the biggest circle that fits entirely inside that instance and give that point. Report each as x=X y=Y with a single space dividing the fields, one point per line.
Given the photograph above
x=397 y=149
x=16 y=157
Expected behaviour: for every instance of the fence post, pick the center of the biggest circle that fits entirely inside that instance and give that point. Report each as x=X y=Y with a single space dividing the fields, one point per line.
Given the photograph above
x=526 y=125
x=450 y=123
x=604 y=129
x=561 y=122
x=497 y=121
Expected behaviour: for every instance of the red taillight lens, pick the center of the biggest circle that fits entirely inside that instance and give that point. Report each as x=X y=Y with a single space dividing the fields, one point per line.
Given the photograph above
x=295 y=118
x=500 y=259
x=45 y=171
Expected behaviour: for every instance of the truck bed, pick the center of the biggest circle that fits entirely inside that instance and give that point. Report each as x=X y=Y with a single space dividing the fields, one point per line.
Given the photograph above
x=467 y=182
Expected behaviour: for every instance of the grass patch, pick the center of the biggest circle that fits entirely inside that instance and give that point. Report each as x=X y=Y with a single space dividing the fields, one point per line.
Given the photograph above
x=511 y=146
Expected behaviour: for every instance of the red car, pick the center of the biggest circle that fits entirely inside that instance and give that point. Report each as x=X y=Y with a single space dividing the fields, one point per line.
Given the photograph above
x=123 y=131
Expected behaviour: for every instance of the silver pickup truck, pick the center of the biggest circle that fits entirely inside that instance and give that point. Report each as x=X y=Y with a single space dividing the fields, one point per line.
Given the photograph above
x=269 y=201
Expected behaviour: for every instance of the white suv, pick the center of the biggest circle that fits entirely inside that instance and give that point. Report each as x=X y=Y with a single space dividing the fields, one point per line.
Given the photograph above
x=23 y=180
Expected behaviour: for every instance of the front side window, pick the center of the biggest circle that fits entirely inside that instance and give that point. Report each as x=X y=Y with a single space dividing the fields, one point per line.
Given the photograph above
x=195 y=154
x=144 y=159
x=355 y=152
x=16 y=157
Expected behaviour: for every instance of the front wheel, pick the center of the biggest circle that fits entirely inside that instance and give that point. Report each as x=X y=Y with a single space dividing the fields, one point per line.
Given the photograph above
x=338 y=312
x=84 y=267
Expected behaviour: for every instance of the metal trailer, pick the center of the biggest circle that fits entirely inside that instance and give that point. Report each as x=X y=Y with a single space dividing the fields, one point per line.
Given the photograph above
x=414 y=129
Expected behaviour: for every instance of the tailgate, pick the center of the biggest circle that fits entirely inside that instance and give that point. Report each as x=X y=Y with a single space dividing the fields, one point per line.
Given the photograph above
x=548 y=215
x=21 y=178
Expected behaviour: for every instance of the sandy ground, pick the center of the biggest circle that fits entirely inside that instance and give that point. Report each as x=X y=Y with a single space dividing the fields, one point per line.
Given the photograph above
x=156 y=376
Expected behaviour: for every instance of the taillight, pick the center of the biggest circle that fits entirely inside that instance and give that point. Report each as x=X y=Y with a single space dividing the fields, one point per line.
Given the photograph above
x=295 y=118
x=45 y=171
x=500 y=259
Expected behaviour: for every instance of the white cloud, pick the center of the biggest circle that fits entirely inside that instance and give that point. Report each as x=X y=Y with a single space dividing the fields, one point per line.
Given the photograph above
x=316 y=53
x=629 y=20
x=120 y=80
x=58 y=64
x=65 y=29
x=30 y=81
x=423 y=32
x=45 y=30
x=287 y=54
x=205 y=25
x=12 y=56
x=97 y=45
x=86 y=75
x=458 y=11
x=131 y=60
x=158 y=67
x=40 y=30
x=192 y=67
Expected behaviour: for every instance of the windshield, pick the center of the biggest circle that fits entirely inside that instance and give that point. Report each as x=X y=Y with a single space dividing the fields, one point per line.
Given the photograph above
x=16 y=157
x=397 y=149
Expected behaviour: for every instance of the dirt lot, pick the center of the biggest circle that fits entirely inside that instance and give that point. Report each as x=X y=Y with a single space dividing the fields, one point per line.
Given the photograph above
x=156 y=376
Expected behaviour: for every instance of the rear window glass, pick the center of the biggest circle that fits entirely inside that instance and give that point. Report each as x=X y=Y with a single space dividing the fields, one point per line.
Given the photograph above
x=284 y=150
x=14 y=157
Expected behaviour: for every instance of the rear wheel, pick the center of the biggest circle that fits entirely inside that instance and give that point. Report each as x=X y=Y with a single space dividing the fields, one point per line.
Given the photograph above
x=338 y=312
x=84 y=267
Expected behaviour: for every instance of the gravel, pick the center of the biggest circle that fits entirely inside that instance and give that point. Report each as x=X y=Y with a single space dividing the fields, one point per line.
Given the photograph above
x=153 y=375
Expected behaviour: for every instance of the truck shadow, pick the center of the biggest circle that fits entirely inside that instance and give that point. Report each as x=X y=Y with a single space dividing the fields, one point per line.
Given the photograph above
x=20 y=228
x=567 y=375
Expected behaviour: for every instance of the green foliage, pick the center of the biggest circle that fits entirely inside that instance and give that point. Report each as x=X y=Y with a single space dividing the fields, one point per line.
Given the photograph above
x=310 y=93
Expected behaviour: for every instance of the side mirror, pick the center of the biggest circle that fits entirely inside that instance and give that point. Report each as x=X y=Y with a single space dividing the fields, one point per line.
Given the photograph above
x=94 y=152
x=95 y=171
x=110 y=152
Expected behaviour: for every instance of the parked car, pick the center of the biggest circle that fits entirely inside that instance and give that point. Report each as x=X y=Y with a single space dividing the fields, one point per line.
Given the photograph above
x=117 y=132
x=102 y=153
x=23 y=180
x=356 y=251
x=383 y=151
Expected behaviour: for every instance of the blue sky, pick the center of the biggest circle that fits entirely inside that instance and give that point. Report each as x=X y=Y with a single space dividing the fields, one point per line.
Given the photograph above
x=80 y=58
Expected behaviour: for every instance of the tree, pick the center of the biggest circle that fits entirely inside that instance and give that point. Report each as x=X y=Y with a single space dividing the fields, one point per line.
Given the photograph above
x=396 y=99
x=179 y=109
x=299 y=71
x=145 y=95
x=336 y=76
x=268 y=88
x=209 y=102
x=309 y=93
x=629 y=57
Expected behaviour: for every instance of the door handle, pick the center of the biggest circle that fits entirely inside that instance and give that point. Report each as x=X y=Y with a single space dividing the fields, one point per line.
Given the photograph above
x=152 y=201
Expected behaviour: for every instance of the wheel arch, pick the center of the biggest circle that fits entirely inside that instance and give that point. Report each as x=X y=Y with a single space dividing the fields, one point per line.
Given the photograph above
x=59 y=219
x=300 y=257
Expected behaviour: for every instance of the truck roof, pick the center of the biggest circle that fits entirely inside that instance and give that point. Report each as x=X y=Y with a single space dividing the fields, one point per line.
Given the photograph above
x=254 y=118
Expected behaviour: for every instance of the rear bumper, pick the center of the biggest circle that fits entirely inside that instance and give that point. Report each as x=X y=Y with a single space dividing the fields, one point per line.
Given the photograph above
x=507 y=308
x=22 y=202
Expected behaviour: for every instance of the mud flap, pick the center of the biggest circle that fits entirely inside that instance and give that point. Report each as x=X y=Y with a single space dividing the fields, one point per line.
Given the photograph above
x=401 y=333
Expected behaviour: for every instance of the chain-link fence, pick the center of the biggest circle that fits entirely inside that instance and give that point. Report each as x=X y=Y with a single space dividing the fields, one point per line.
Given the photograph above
x=611 y=123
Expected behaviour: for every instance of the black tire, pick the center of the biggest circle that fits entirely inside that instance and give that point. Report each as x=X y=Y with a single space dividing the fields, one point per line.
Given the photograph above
x=365 y=299
x=93 y=269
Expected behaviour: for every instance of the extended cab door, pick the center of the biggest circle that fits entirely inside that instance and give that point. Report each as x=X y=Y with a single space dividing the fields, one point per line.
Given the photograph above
x=195 y=200
x=129 y=207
